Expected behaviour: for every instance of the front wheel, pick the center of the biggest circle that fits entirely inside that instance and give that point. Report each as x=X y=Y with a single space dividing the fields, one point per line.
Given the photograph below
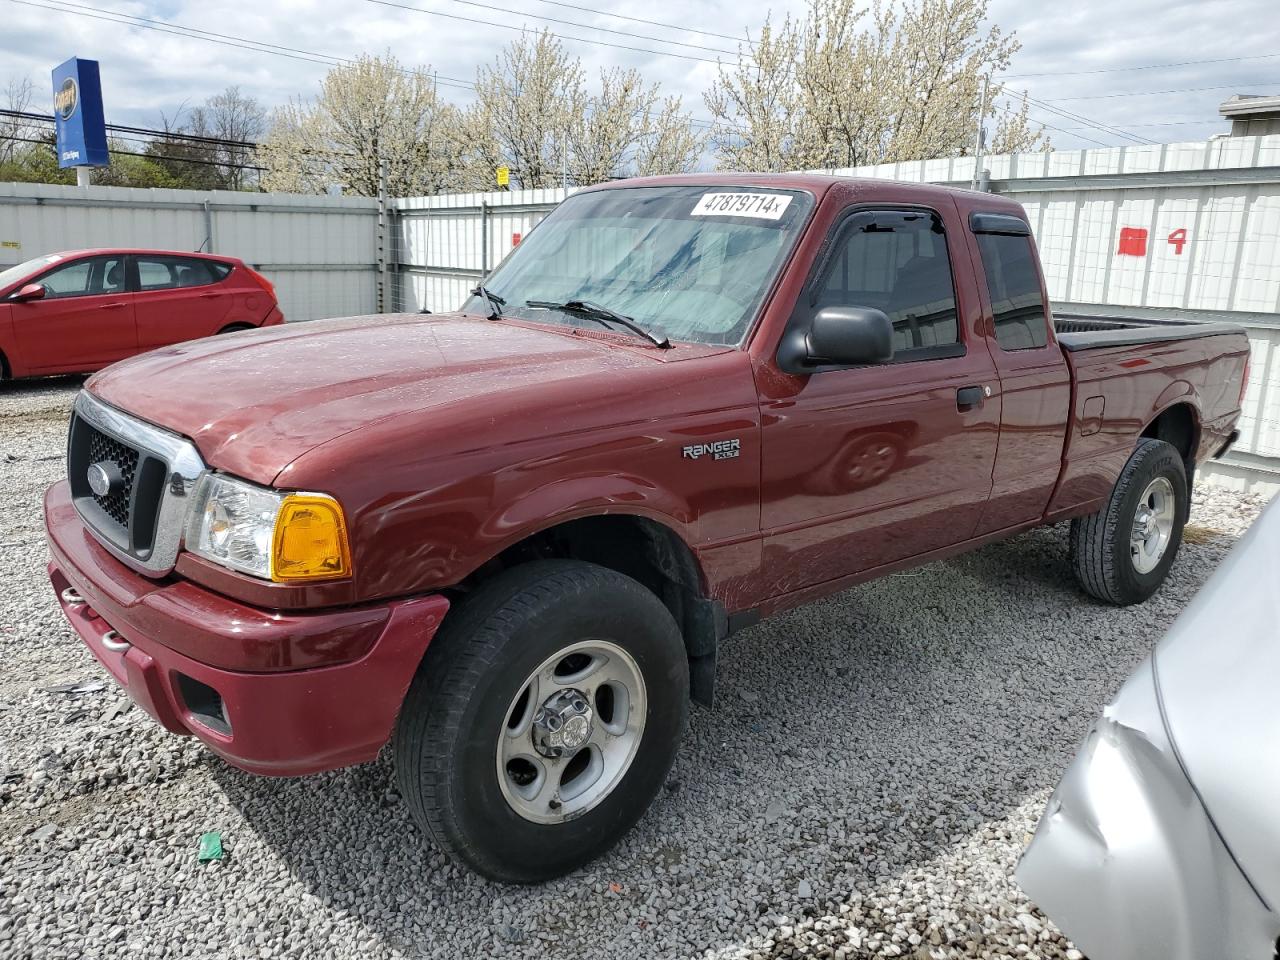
x=1123 y=553
x=544 y=719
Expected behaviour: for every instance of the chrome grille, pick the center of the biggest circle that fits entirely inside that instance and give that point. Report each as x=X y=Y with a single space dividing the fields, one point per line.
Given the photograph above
x=141 y=518
x=117 y=505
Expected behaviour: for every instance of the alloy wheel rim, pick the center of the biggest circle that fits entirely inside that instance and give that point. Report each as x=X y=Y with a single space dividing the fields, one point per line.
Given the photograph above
x=1153 y=523
x=571 y=732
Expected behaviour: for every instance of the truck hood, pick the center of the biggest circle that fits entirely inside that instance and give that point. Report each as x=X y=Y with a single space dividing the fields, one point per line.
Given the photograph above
x=254 y=402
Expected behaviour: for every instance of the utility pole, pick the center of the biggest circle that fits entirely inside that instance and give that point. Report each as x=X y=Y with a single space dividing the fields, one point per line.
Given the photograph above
x=564 y=162
x=383 y=234
x=977 y=135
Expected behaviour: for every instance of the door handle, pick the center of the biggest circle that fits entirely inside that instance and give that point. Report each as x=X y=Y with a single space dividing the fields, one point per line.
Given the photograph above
x=969 y=397
x=112 y=306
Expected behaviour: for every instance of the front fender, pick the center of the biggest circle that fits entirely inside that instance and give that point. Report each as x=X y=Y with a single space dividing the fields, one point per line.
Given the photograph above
x=574 y=498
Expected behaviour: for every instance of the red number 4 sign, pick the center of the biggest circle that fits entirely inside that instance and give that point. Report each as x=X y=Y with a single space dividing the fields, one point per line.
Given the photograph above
x=1133 y=241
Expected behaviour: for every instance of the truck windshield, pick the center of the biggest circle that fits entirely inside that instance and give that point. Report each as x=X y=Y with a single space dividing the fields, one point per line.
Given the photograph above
x=690 y=263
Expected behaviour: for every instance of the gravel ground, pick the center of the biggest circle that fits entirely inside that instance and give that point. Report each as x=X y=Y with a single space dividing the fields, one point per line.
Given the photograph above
x=863 y=788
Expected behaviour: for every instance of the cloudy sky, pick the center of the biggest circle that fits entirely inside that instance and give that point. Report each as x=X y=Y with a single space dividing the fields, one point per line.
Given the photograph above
x=1089 y=58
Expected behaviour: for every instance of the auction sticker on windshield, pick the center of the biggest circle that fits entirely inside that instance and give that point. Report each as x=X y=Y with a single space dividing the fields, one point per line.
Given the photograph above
x=763 y=206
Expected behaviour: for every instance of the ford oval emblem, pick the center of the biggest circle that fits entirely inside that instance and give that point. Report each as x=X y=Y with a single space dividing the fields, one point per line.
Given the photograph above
x=104 y=478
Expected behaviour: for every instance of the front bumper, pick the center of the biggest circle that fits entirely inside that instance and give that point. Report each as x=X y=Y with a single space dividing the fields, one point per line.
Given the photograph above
x=1126 y=860
x=271 y=693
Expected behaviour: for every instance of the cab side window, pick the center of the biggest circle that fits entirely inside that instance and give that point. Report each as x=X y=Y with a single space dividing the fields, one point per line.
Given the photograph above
x=1013 y=282
x=896 y=261
x=96 y=276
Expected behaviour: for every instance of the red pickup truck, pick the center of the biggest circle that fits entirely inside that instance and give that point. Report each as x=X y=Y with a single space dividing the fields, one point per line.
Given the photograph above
x=509 y=540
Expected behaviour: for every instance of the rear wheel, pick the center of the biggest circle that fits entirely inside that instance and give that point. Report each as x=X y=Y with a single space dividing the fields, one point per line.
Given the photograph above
x=237 y=327
x=543 y=720
x=1123 y=553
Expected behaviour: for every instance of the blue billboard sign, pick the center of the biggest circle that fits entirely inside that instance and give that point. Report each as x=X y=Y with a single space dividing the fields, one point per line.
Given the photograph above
x=77 y=114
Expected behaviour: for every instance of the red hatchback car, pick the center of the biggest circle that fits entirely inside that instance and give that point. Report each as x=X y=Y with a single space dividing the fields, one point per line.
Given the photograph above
x=77 y=312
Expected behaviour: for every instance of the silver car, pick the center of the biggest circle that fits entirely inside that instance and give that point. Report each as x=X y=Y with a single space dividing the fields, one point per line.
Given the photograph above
x=1163 y=838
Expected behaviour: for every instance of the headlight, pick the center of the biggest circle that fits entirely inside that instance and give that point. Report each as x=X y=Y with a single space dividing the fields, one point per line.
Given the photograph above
x=266 y=533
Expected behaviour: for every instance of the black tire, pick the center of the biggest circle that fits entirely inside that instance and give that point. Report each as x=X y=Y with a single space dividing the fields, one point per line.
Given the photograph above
x=446 y=735
x=1101 y=555
x=236 y=328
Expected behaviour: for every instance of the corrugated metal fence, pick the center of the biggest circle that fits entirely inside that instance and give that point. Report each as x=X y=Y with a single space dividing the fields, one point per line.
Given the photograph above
x=443 y=245
x=320 y=252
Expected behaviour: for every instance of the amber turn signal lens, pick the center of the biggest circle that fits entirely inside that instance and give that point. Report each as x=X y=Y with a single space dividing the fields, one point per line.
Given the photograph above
x=310 y=541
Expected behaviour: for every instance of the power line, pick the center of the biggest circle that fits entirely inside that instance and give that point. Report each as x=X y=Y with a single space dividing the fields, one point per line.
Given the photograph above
x=146 y=131
x=1052 y=127
x=193 y=33
x=652 y=23
x=1156 y=93
x=293 y=53
x=587 y=26
x=1164 y=123
x=1145 y=66
x=1067 y=114
x=522 y=29
x=1179 y=123
x=152 y=156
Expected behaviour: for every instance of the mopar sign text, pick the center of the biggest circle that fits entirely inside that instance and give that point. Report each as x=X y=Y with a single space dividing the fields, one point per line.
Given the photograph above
x=65 y=99
x=718 y=449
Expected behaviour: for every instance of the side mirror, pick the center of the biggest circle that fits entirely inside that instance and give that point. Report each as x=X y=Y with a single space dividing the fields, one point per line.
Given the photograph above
x=849 y=336
x=32 y=291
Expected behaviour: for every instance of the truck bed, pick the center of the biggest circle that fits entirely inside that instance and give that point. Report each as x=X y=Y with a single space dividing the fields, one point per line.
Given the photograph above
x=1080 y=332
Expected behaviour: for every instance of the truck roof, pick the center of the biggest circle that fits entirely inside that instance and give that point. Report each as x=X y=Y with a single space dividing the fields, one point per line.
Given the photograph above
x=816 y=183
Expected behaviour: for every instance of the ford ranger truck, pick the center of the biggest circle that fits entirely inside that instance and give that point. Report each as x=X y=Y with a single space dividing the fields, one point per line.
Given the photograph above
x=509 y=540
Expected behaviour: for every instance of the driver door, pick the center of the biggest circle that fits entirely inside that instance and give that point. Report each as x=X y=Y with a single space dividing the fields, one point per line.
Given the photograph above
x=83 y=322
x=868 y=465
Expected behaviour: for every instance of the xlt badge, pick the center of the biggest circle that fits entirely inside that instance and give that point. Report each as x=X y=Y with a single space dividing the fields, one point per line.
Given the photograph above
x=718 y=449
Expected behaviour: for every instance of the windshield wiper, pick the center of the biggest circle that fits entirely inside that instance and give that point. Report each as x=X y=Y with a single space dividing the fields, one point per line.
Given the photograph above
x=601 y=315
x=491 y=300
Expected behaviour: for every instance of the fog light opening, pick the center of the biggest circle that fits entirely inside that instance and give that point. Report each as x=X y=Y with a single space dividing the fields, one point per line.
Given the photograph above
x=205 y=704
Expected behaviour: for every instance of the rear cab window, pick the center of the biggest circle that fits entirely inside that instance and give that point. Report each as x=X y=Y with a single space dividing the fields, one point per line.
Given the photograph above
x=896 y=261
x=1013 y=285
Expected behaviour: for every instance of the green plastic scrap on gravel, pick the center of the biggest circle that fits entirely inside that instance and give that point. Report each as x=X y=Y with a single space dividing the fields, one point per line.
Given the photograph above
x=210 y=846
